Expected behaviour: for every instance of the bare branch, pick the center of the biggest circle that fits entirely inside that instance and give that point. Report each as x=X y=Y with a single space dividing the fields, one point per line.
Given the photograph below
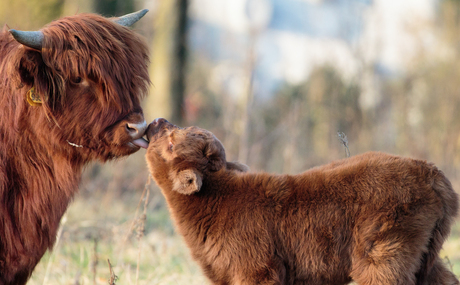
x=344 y=141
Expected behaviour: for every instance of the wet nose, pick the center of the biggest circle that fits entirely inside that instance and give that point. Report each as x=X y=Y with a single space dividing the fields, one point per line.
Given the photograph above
x=136 y=130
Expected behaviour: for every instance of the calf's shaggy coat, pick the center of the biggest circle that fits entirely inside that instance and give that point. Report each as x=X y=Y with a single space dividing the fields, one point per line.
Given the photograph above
x=373 y=218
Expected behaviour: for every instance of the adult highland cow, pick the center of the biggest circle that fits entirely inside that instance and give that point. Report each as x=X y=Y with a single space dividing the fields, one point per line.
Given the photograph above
x=374 y=218
x=69 y=94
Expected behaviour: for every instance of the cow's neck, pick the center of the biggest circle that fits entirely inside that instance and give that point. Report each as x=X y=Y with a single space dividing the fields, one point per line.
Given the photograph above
x=35 y=189
x=41 y=186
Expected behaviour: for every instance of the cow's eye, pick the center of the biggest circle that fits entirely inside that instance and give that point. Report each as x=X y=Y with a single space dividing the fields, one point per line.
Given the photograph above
x=77 y=80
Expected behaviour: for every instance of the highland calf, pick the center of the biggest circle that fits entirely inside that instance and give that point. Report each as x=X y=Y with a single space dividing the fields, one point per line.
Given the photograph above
x=375 y=219
x=69 y=94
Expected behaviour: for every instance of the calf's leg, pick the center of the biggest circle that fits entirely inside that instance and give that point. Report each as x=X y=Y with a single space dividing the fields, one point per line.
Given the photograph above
x=390 y=251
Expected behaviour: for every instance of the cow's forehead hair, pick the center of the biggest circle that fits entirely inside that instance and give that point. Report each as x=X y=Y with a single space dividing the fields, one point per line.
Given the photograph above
x=92 y=46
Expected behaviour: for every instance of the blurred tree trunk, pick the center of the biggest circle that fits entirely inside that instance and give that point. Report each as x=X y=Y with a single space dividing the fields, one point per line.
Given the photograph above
x=179 y=66
x=168 y=62
x=110 y=8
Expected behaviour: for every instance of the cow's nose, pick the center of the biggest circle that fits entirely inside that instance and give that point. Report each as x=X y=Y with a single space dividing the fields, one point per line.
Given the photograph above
x=136 y=130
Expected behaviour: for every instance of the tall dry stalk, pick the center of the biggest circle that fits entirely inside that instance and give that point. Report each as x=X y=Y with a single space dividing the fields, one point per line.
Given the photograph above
x=94 y=261
x=113 y=277
x=140 y=230
x=138 y=225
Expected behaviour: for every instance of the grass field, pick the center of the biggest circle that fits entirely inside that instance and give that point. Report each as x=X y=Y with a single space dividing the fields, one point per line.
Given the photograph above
x=113 y=219
x=141 y=250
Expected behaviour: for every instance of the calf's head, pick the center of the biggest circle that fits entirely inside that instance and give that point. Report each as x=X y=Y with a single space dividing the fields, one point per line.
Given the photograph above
x=88 y=75
x=185 y=156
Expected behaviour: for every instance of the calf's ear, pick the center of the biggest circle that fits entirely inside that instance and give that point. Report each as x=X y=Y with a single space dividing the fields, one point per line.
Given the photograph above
x=237 y=166
x=187 y=181
x=215 y=153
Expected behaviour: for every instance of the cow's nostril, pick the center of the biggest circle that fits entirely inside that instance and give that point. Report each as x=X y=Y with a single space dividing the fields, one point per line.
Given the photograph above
x=130 y=129
x=136 y=130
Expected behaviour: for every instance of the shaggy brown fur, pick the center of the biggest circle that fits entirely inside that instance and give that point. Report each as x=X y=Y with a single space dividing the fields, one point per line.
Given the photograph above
x=373 y=218
x=90 y=74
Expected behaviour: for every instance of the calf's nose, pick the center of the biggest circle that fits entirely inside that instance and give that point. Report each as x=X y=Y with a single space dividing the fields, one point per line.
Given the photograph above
x=136 y=130
x=159 y=121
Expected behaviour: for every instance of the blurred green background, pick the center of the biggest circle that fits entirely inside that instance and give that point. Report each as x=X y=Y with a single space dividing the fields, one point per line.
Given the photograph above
x=275 y=81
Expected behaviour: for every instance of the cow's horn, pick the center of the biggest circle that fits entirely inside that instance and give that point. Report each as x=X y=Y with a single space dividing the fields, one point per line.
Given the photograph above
x=130 y=19
x=33 y=39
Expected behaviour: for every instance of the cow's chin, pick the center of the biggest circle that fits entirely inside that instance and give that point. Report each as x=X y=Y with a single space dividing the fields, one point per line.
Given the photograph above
x=104 y=150
x=126 y=149
x=115 y=151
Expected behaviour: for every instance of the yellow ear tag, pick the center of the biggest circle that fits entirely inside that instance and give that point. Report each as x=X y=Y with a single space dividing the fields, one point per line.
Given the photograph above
x=32 y=98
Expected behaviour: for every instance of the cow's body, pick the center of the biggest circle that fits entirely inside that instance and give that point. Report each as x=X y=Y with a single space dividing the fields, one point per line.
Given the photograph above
x=89 y=75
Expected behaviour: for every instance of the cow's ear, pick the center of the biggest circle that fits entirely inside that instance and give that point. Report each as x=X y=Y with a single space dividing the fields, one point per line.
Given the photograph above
x=187 y=181
x=29 y=64
x=35 y=73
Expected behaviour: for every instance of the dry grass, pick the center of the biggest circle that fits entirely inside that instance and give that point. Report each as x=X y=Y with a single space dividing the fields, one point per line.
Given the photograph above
x=80 y=256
